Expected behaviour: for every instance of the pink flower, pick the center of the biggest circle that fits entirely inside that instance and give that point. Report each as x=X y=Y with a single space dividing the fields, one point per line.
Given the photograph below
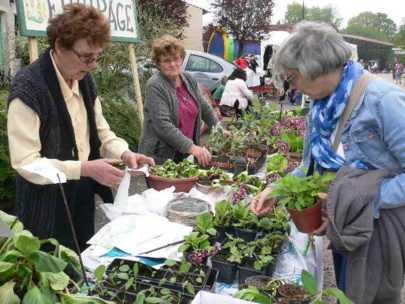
x=275 y=131
x=282 y=146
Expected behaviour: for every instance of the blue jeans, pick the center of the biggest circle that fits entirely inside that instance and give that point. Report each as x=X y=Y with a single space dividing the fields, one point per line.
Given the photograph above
x=340 y=264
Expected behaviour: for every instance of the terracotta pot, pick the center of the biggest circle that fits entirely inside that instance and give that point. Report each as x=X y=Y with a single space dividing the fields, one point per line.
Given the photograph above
x=308 y=219
x=180 y=184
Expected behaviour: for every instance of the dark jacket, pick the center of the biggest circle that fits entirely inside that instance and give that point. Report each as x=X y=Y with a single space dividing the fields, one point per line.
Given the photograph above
x=374 y=248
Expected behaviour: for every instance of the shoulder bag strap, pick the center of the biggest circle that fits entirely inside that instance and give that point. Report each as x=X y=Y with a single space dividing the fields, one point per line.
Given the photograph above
x=353 y=99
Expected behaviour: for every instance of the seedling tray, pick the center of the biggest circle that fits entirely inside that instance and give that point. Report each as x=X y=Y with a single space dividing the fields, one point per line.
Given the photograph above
x=152 y=276
x=235 y=164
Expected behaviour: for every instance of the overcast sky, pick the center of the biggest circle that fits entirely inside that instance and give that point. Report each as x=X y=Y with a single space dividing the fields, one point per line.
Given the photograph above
x=395 y=9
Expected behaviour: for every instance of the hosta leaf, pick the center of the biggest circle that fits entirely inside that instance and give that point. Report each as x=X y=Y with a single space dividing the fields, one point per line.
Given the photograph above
x=27 y=244
x=7 y=295
x=58 y=281
x=47 y=263
x=35 y=296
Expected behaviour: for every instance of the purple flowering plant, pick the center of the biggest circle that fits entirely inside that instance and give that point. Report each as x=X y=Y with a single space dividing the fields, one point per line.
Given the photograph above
x=288 y=135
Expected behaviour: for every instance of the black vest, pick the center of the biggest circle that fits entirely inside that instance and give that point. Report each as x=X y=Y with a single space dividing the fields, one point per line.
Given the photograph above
x=37 y=86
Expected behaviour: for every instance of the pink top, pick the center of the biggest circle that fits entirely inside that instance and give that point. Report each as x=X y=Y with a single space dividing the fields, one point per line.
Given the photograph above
x=188 y=111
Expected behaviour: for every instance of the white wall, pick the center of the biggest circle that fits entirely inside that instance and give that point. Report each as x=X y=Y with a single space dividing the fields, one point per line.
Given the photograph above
x=193 y=33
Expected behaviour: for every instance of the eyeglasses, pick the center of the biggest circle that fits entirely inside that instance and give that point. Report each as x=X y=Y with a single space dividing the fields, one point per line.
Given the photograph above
x=87 y=60
x=168 y=61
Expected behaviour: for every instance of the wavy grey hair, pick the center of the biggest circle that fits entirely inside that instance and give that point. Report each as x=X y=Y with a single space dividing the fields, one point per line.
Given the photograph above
x=314 y=49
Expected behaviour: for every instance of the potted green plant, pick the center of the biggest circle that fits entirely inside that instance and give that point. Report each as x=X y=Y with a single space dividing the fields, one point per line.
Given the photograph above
x=277 y=220
x=31 y=275
x=300 y=196
x=281 y=291
x=182 y=176
x=197 y=247
x=218 y=143
x=212 y=181
x=226 y=261
x=205 y=225
x=223 y=219
x=246 y=222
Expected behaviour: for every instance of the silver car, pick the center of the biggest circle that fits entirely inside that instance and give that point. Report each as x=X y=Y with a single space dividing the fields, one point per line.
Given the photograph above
x=207 y=68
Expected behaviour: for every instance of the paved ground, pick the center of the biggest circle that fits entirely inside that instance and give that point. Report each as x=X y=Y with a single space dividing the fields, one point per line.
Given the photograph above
x=138 y=185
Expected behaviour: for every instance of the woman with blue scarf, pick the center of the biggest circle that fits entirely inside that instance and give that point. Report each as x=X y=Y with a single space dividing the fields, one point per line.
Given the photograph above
x=316 y=60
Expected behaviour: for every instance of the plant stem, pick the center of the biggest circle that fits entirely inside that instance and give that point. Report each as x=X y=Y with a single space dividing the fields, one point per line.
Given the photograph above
x=309 y=242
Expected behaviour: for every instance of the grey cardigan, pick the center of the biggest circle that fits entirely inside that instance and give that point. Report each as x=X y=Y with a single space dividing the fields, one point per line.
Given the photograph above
x=374 y=247
x=161 y=135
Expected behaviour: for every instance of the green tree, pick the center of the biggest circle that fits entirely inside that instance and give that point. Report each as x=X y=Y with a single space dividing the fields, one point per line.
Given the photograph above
x=296 y=12
x=379 y=22
x=244 y=19
x=363 y=31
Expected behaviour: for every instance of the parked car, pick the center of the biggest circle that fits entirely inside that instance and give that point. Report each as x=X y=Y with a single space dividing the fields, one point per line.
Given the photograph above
x=207 y=68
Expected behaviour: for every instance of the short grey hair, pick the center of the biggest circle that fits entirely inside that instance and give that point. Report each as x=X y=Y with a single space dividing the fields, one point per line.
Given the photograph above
x=314 y=49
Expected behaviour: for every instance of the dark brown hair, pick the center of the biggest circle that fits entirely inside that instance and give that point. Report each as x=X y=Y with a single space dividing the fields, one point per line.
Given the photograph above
x=76 y=22
x=166 y=45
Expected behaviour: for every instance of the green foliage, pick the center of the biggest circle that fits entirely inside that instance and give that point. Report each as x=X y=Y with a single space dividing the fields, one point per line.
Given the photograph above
x=35 y=275
x=223 y=213
x=380 y=22
x=205 y=225
x=170 y=169
x=244 y=217
x=123 y=118
x=301 y=192
x=7 y=173
x=252 y=294
x=296 y=13
x=217 y=140
x=195 y=241
x=277 y=164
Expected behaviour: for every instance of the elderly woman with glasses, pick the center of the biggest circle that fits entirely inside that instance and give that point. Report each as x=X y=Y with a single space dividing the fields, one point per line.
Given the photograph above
x=365 y=203
x=174 y=108
x=55 y=116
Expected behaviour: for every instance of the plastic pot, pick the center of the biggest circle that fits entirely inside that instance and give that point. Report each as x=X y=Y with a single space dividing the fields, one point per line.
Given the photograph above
x=308 y=219
x=246 y=235
x=226 y=270
x=222 y=231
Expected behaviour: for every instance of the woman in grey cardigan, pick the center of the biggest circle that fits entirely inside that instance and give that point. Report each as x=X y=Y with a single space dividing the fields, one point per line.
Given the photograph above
x=174 y=108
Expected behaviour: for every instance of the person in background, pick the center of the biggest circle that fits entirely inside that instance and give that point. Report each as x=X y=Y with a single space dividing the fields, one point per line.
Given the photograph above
x=174 y=108
x=366 y=201
x=236 y=94
x=218 y=95
x=398 y=70
x=55 y=114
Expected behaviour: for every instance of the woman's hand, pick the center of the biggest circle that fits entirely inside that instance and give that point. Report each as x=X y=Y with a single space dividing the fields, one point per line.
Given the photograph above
x=322 y=229
x=135 y=160
x=202 y=154
x=261 y=205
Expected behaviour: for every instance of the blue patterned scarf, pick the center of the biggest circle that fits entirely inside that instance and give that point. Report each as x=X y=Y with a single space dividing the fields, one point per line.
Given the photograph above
x=326 y=114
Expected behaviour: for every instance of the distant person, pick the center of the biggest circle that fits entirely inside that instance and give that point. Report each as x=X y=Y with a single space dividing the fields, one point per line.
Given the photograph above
x=174 y=108
x=362 y=63
x=374 y=67
x=398 y=70
x=236 y=94
x=220 y=90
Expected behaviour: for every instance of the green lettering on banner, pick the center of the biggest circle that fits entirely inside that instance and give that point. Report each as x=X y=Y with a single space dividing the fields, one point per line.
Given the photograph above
x=121 y=23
